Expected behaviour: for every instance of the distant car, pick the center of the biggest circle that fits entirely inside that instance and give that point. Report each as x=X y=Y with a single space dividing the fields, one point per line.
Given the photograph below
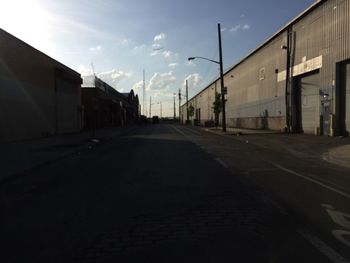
x=143 y=119
x=155 y=119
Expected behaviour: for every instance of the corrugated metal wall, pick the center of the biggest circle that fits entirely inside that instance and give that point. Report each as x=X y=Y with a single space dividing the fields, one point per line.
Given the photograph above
x=325 y=33
x=256 y=98
x=254 y=94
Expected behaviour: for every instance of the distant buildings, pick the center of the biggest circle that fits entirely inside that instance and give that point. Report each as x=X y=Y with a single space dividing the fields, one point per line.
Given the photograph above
x=106 y=107
x=41 y=97
x=298 y=80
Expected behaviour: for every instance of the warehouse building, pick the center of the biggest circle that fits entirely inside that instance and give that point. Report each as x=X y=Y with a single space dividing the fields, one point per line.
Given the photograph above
x=106 y=107
x=297 y=81
x=39 y=96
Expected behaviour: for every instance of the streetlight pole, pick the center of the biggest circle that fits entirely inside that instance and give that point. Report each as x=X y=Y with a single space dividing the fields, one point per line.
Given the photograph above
x=160 y=108
x=187 y=117
x=180 y=105
x=222 y=82
x=174 y=106
x=144 y=94
x=223 y=89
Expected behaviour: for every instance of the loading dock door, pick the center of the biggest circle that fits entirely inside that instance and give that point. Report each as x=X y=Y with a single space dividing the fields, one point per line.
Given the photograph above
x=343 y=98
x=310 y=102
x=347 y=99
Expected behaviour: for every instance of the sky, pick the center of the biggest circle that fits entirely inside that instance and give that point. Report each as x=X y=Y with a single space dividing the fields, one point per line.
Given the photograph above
x=118 y=39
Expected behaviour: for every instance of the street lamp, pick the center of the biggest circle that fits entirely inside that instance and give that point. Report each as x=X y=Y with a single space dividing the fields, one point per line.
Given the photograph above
x=223 y=91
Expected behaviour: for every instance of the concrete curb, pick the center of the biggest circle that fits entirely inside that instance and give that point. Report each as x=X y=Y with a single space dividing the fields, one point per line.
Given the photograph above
x=339 y=156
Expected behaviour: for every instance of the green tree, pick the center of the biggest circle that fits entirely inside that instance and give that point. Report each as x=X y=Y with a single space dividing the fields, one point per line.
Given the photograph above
x=190 y=111
x=217 y=107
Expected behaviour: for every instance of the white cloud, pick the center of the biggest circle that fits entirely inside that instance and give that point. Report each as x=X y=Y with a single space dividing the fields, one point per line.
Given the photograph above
x=190 y=63
x=235 y=28
x=96 y=49
x=173 y=65
x=140 y=47
x=113 y=77
x=167 y=54
x=159 y=37
x=137 y=87
x=126 y=41
x=85 y=71
x=156 y=46
x=194 y=80
x=161 y=81
x=240 y=27
x=223 y=29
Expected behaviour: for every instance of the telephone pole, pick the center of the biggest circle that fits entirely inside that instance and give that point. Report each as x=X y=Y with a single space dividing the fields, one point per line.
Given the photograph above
x=144 y=94
x=188 y=117
x=223 y=89
x=150 y=106
x=180 y=105
x=160 y=109
x=174 y=106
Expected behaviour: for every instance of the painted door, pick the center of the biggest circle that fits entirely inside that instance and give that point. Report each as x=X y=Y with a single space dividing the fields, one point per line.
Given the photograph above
x=310 y=103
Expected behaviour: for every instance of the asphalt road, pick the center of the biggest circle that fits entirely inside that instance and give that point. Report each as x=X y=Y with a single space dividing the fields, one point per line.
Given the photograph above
x=170 y=193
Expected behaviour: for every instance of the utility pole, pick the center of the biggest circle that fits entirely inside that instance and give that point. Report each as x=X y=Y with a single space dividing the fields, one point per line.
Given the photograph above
x=150 y=107
x=223 y=90
x=174 y=106
x=144 y=94
x=188 y=117
x=180 y=105
x=160 y=110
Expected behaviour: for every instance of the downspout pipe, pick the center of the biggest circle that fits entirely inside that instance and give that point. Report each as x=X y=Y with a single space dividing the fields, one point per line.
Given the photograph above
x=288 y=90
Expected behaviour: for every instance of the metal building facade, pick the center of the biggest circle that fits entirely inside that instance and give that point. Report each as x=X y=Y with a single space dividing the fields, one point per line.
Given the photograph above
x=298 y=80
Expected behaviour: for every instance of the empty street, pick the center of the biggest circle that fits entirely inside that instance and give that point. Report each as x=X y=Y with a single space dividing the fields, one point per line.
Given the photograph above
x=173 y=193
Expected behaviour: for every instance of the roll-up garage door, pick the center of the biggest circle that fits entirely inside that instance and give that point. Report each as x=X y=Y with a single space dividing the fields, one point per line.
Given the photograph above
x=310 y=102
x=347 y=99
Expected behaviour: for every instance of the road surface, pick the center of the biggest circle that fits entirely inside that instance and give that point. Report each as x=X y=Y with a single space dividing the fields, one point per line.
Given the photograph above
x=171 y=193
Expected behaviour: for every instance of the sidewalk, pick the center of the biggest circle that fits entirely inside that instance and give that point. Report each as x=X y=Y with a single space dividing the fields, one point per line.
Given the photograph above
x=16 y=158
x=238 y=131
x=334 y=150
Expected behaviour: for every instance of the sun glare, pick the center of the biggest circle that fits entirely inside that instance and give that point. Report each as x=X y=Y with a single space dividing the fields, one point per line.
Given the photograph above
x=27 y=20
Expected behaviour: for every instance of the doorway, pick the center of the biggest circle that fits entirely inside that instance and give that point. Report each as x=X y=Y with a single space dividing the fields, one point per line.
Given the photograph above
x=306 y=103
x=343 y=98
